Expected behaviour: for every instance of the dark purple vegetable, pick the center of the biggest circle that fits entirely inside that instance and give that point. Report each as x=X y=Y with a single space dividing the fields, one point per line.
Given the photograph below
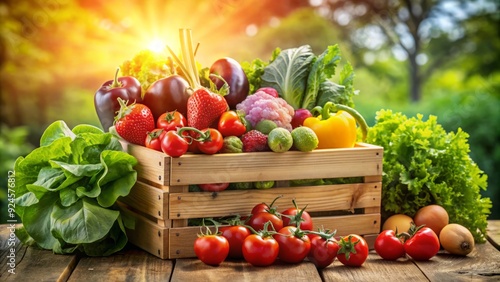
x=106 y=97
x=232 y=72
x=166 y=95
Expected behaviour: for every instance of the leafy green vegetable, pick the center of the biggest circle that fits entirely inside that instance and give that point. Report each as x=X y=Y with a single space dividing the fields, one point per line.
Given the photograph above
x=67 y=190
x=423 y=164
x=303 y=79
x=288 y=74
x=148 y=66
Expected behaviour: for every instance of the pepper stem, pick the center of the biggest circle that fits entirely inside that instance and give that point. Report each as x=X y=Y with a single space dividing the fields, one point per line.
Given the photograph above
x=329 y=106
x=116 y=83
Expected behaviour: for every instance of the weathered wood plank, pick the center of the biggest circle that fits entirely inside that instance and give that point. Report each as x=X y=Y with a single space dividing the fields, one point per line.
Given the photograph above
x=195 y=270
x=340 y=197
x=263 y=166
x=128 y=265
x=374 y=269
x=494 y=233
x=482 y=264
x=31 y=264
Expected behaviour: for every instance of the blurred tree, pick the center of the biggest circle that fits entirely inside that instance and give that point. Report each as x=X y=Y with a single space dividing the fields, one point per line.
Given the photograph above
x=429 y=34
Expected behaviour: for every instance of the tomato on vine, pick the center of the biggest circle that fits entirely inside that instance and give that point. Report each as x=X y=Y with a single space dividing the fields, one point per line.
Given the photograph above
x=297 y=217
x=172 y=120
x=153 y=139
x=324 y=248
x=294 y=244
x=232 y=123
x=422 y=244
x=389 y=245
x=173 y=144
x=211 y=249
x=235 y=233
x=260 y=248
x=353 y=250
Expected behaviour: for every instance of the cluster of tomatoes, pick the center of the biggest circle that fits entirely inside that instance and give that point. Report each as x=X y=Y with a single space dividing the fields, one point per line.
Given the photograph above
x=268 y=235
x=173 y=137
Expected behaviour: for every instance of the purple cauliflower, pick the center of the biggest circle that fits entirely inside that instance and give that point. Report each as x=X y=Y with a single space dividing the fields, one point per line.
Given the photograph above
x=260 y=106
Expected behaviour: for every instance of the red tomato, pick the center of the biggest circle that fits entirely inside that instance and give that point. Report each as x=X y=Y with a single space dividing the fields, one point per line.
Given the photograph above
x=212 y=144
x=258 y=220
x=353 y=250
x=231 y=124
x=153 y=139
x=214 y=187
x=263 y=207
x=423 y=244
x=173 y=144
x=171 y=121
x=323 y=251
x=260 y=250
x=389 y=246
x=294 y=216
x=211 y=249
x=294 y=244
x=235 y=235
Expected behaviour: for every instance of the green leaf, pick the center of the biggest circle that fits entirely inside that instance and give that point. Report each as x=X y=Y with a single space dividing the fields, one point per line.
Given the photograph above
x=68 y=197
x=87 y=170
x=322 y=69
x=119 y=176
x=82 y=222
x=54 y=131
x=86 y=128
x=288 y=74
x=37 y=221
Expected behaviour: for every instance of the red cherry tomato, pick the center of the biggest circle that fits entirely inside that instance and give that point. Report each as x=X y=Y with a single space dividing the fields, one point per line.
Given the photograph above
x=294 y=244
x=211 y=144
x=388 y=246
x=231 y=124
x=153 y=139
x=173 y=144
x=323 y=251
x=235 y=235
x=423 y=244
x=294 y=216
x=259 y=250
x=263 y=207
x=211 y=249
x=214 y=187
x=171 y=121
x=258 y=220
x=353 y=250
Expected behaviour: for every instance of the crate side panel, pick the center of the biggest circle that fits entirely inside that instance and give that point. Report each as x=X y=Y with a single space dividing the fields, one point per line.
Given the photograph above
x=148 y=235
x=153 y=166
x=263 y=166
x=317 y=198
x=350 y=224
x=147 y=199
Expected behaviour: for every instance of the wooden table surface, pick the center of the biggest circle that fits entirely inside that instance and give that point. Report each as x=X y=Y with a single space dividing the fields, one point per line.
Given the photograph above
x=133 y=264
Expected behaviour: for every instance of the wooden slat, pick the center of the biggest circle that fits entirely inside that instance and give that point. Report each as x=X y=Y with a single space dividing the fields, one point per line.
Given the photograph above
x=263 y=166
x=32 y=264
x=148 y=235
x=153 y=166
x=482 y=264
x=129 y=265
x=195 y=270
x=317 y=198
x=350 y=224
x=148 y=199
x=374 y=269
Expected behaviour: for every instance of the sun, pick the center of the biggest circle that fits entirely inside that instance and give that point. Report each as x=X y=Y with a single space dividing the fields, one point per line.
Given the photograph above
x=157 y=45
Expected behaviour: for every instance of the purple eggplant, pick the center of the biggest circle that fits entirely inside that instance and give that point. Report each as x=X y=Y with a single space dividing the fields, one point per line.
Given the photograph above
x=232 y=72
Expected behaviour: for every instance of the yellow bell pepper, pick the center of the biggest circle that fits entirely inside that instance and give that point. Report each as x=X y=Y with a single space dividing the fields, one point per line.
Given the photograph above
x=337 y=129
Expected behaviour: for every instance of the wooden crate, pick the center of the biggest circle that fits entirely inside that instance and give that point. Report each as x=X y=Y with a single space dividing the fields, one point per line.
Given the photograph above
x=162 y=204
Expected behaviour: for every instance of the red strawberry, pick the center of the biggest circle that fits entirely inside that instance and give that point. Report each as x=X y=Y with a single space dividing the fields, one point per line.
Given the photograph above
x=204 y=108
x=133 y=122
x=254 y=141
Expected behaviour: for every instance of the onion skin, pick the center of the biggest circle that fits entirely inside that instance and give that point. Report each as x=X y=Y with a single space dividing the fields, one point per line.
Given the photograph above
x=400 y=221
x=433 y=216
x=456 y=239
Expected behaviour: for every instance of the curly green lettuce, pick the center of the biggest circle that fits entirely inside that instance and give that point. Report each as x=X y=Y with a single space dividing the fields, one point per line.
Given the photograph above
x=423 y=164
